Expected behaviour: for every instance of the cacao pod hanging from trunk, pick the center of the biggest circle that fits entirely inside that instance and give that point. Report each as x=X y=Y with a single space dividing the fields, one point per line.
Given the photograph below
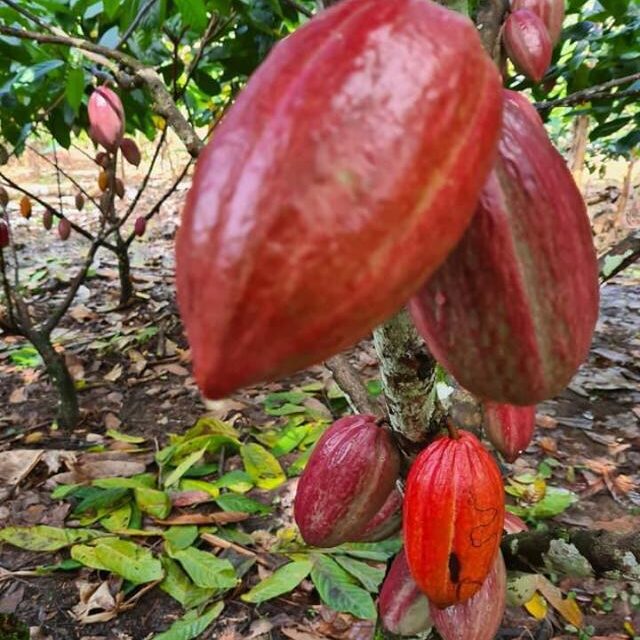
x=551 y=12
x=528 y=43
x=403 y=608
x=347 y=480
x=509 y=428
x=512 y=311
x=106 y=118
x=338 y=181
x=4 y=235
x=386 y=522
x=479 y=617
x=453 y=518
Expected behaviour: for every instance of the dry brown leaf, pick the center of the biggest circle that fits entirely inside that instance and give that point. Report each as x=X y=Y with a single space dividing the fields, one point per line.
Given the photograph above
x=220 y=517
x=173 y=368
x=34 y=437
x=18 y=395
x=566 y=607
x=548 y=445
x=17 y=464
x=114 y=374
x=97 y=604
x=624 y=524
x=546 y=422
x=111 y=421
x=80 y=313
x=296 y=634
x=222 y=408
x=188 y=498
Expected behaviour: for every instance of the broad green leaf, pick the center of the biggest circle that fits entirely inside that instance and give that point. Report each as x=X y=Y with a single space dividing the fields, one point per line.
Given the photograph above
x=155 y=503
x=283 y=580
x=235 y=502
x=194 y=13
x=133 y=482
x=555 y=501
x=206 y=570
x=191 y=625
x=118 y=519
x=369 y=577
x=183 y=467
x=338 y=591
x=44 y=538
x=290 y=439
x=377 y=551
x=65 y=565
x=124 y=437
x=262 y=466
x=181 y=537
x=299 y=464
x=178 y=585
x=129 y=560
x=237 y=480
x=86 y=555
x=95 y=499
x=64 y=491
x=200 y=485
x=74 y=89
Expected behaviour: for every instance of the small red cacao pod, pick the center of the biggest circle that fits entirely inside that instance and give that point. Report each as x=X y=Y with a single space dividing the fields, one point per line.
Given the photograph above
x=551 y=12
x=509 y=428
x=513 y=524
x=79 y=201
x=119 y=188
x=347 y=480
x=130 y=151
x=64 y=229
x=140 y=226
x=528 y=43
x=47 y=219
x=479 y=617
x=4 y=235
x=106 y=118
x=530 y=233
x=4 y=197
x=403 y=608
x=25 y=207
x=102 y=159
x=395 y=147
x=453 y=518
x=386 y=522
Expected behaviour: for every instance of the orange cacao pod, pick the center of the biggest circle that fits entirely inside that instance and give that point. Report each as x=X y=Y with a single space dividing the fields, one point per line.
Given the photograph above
x=25 y=207
x=509 y=428
x=479 y=617
x=359 y=192
x=64 y=229
x=106 y=118
x=528 y=43
x=551 y=12
x=47 y=219
x=531 y=233
x=103 y=181
x=347 y=480
x=4 y=234
x=130 y=151
x=453 y=518
x=119 y=188
x=4 y=197
x=140 y=226
x=79 y=201
x=403 y=608
x=386 y=522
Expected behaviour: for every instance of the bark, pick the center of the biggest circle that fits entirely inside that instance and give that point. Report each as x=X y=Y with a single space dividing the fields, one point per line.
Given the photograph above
x=346 y=377
x=619 y=257
x=124 y=273
x=579 y=148
x=623 y=201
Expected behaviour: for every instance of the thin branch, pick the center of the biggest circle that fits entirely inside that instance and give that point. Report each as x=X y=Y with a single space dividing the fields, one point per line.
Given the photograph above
x=137 y=20
x=57 y=166
x=299 y=8
x=28 y=15
x=627 y=251
x=350 y=383
x=209 y=33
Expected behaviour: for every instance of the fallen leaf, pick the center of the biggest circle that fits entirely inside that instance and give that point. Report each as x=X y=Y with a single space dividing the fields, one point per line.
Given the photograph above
x=114 y=374
x=546 y=422
x=537 y=607
x=567 y=607
x=295 y=634
x=17 y=464
x=111 y=421
x=96 y=603
x=220 y=517
x=173 y=368
x=18 y=395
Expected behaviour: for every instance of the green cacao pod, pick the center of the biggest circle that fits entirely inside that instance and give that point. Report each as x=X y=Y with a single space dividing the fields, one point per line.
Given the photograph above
x=347 y=480
x=403 y=608
x=342 y=176
x=512 y=311
x=453 y=518
x=509 y=428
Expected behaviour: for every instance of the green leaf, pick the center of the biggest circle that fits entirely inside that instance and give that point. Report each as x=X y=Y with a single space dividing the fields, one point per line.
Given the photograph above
x=156 y=503
x=206 y=570
x=118 y=519
x=377 y=551
x=95 y=499
x=181 y=537
x=183 y=467
x=191 y=625
x=64 y=490
x=369 y=577
x=177 y=584
x=194 y=13
x=129 y=560
x=86 y=555
x=299 y=464
x=237 y=480
x=200 y=485
x=338 y=591
x=283 y=580
x=290 y=439
x=124 y=437
x=133 y=482
x=234 y=502
x=74 y=89
x=262 y=466
x=555 y=501
x=44 y=538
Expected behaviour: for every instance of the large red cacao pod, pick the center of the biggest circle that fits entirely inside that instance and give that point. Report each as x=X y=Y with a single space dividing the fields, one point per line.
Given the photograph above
x=528 y=43
x=347 y=480
x=509 y=428
x=386 y=522
x=340 y=179
x=106 y=118
x=403 y=608
x=479 y=617
x=453 y=518
x=511 y=312
x=551 y=12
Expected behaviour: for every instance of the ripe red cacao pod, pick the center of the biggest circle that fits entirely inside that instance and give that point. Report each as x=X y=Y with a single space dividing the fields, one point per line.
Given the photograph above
x=79 y=201
x=479 y=617
x=4 y=235
x=509 y=428
x=515 y=330
x=528 y=43
x=551 y=12
x=403 y=608
x=386 y=522
x=311 y=220
x=25 y=207
x=140 y=226
x=64 y=229
x=453 y=518
x=347 y=480
x=47 y=219
x=130 y=151
x=106 y=118
x=4 y=197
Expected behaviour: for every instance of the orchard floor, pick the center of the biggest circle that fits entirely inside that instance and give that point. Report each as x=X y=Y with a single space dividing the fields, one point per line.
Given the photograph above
x=133 y=370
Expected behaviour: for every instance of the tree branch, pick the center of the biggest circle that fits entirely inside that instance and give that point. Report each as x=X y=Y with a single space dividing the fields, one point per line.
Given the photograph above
x=350 y=383
x=623 y=254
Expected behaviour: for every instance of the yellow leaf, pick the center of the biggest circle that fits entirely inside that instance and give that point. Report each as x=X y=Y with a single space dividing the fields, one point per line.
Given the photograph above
x=537 y=607
x=159 y=122
x=629 y=628
x=567 y=607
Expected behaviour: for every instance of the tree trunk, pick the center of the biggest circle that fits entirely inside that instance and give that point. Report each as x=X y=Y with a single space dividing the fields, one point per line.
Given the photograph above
x=124 y=271
x=68 y=412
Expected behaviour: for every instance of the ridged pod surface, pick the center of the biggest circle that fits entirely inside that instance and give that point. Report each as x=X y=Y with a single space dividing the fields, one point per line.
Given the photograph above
x=106 y=118
x=509 y=427
x=64 y=229
x=347 y=480
x=528 y=43
x=512 y=311
x=4 y=235
x=403 y=608
x=386 y=522
x=453 y=518
x=479 y=617
x=551 y=12
x=339 y=180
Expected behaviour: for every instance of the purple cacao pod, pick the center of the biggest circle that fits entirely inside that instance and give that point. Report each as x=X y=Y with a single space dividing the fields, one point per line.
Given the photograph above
x=106 y=118
x=64 y=229
x=140 y=226
x=47 y=219
x=528 y=43
x=509 y=428
x=551 y=12
x=386 y=522
x=130 y=151
x=347 y=480
x=4 y=235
